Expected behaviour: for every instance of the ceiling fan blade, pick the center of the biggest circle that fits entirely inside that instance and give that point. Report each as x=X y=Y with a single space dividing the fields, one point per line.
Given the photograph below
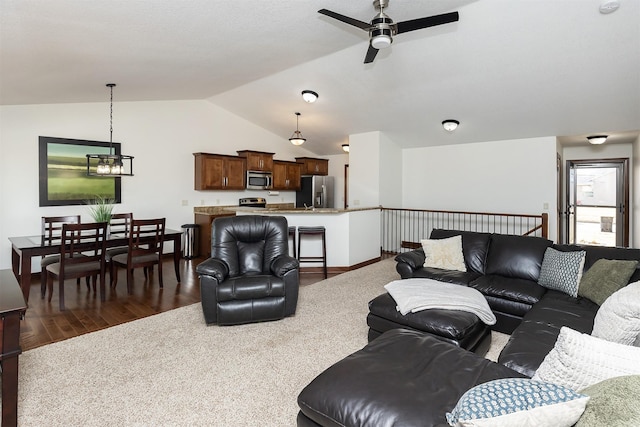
x=371 y=54
x=430 y=21
x=356 y=23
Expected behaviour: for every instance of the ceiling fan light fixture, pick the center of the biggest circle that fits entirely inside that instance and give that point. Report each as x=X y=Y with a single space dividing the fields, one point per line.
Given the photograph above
x=450 y=125
x=309 y=96
x=345 y=148
x=381 y=42
x=297 y=138
x=597 y=139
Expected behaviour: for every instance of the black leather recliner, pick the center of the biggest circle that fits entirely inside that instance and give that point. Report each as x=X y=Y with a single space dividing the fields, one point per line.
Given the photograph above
x=250 y=276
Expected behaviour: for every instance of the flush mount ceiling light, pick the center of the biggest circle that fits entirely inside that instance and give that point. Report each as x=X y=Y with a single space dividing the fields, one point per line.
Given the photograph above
x=112 y=164
x=345 y=148
x=309 y=96
x=450 y=125
x=597 y=139
x=296 y=138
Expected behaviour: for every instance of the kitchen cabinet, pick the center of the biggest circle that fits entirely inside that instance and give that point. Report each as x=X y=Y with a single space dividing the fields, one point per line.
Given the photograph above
x=312 y=166
x=204 y=220
x=219 y=172
x=286 y=175
x=258 y=160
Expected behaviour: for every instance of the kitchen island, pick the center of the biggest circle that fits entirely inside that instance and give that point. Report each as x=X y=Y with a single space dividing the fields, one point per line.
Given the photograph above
x=353 y=235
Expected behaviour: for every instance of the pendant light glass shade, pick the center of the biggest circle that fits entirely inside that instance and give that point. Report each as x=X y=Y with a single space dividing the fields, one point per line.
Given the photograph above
x=309 y=96
x=450 y=125
x=112 y=164
x=296 y=138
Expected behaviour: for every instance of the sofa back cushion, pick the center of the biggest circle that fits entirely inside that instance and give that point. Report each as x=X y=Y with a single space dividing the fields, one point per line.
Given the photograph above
x=516 y=256
x=474 y=246
x=594 y=253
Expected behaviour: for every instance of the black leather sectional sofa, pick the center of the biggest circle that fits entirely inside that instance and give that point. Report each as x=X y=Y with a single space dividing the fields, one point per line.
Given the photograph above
x=406 y=377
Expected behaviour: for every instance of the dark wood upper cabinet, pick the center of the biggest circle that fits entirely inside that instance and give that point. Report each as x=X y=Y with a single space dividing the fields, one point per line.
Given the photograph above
x=219 y=172
x=286 y=175
x=313 y=166
x=257 y=160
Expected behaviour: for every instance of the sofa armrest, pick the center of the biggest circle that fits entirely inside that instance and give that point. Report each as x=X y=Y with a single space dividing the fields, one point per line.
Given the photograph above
x=213 y=267
x=283 y=264
x=408 y=262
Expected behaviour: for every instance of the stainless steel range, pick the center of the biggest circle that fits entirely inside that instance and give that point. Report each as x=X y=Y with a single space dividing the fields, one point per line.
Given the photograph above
x=253 y=202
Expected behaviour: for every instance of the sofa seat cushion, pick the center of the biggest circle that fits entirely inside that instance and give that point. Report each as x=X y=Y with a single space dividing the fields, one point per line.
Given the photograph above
x=516 y=256
x=250 y=287
x=516 y=290
x=402 y=378
x=448 y=276
x=460 y=328
x=539 y=330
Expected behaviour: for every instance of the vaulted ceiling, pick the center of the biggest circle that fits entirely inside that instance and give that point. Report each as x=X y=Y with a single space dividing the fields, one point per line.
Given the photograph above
x=508 y=68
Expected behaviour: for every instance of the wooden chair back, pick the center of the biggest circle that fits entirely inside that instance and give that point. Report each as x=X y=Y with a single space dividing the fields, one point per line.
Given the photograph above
x=120 y=224
x=147 y=237
x=51 y=229
x=83 y=244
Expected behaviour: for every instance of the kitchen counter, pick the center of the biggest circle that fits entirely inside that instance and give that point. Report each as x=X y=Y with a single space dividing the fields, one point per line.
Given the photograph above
x=292 y=210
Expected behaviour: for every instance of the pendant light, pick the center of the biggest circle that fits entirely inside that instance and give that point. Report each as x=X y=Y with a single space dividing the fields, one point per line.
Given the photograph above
x=597 y=139
x=112 y=164
x=296 y=138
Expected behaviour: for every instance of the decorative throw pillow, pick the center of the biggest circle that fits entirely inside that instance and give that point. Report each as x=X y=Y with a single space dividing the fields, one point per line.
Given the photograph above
x=444 y=253
x=580 y=360
x=518 y=402
x=614 y=402
x=618 y=318
x=605 y=277
x=562 y=271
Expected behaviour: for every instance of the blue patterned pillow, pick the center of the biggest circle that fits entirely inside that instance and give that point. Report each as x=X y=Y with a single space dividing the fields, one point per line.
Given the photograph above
x=518 y=402
x=562 y=271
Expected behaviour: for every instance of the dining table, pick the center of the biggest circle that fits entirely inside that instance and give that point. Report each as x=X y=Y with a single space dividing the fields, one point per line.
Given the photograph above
x=24 y=248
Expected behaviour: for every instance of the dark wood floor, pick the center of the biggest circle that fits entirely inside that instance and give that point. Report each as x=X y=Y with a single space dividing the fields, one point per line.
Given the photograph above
x=44 y=323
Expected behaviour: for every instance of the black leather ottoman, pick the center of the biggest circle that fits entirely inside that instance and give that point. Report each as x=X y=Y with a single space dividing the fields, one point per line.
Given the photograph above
x=402 y=378
x=460 y=328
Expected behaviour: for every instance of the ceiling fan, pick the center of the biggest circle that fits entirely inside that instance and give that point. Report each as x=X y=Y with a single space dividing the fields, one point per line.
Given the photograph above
x=382 y=28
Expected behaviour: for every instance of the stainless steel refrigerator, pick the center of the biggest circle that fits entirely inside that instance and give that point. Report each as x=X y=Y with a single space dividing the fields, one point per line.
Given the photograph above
x=317 y=192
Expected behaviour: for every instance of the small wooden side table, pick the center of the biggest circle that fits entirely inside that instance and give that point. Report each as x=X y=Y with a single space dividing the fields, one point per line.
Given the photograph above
x=12 y=308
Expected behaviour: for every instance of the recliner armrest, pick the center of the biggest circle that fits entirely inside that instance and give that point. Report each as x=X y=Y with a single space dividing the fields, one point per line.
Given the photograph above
x=283 y=264
x=415 y=258
x=213 y=267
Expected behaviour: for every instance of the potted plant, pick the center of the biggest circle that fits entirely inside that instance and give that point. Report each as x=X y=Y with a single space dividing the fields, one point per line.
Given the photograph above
x=101 y=209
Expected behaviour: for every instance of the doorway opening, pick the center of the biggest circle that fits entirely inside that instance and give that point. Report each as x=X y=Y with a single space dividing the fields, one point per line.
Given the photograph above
x=597 y=202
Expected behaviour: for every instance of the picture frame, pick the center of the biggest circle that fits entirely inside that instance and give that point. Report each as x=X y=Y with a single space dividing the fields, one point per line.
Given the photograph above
x=63 y=172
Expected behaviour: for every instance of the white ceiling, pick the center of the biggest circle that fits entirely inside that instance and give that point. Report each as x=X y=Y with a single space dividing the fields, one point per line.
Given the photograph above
x=508 y=69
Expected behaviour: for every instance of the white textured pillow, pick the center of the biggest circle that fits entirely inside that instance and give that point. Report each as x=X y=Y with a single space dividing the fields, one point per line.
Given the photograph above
x=579 y=360
x=444 y=253
x=618 y=318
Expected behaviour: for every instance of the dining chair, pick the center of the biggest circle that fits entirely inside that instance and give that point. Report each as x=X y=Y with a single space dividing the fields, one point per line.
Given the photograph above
x=119 y=226
x=82 y=254
x=51 y=231
x=146 y=241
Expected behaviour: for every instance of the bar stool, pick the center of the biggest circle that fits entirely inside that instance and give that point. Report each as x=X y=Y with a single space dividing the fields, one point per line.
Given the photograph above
x=311 y=231
x=292 y=234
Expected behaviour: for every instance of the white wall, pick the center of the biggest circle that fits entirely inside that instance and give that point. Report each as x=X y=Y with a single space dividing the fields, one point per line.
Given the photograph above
x=635 y=201
x=161 y=135
x=512 y=176
x=375 y=168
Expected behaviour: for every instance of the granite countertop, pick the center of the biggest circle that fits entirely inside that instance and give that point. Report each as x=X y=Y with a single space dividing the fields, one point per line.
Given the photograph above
x=277 y=208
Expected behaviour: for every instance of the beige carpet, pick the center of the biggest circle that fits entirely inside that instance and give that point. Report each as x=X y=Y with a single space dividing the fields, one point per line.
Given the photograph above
x=172 y=370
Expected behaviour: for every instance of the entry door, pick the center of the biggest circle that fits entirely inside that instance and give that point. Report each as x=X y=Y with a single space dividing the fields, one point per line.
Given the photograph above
x=597 y=202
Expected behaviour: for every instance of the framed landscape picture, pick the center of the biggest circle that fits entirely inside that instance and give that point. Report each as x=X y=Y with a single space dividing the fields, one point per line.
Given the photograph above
x=63 y=172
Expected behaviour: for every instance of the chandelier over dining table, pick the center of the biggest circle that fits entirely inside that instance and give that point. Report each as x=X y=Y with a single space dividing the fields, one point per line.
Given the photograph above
x=112 y=164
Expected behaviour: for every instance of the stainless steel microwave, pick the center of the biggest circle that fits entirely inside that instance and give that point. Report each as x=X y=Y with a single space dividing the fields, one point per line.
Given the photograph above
x=257 y=180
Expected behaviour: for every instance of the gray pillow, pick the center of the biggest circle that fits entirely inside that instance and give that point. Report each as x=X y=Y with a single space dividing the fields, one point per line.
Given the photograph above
x=614 y=402
x=562 y=271
x=605 y=277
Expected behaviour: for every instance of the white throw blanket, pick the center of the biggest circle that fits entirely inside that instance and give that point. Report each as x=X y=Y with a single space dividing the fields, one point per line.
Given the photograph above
x=412 y=295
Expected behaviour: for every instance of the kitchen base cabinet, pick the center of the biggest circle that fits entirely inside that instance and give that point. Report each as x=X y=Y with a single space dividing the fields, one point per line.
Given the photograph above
x=204 y=220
